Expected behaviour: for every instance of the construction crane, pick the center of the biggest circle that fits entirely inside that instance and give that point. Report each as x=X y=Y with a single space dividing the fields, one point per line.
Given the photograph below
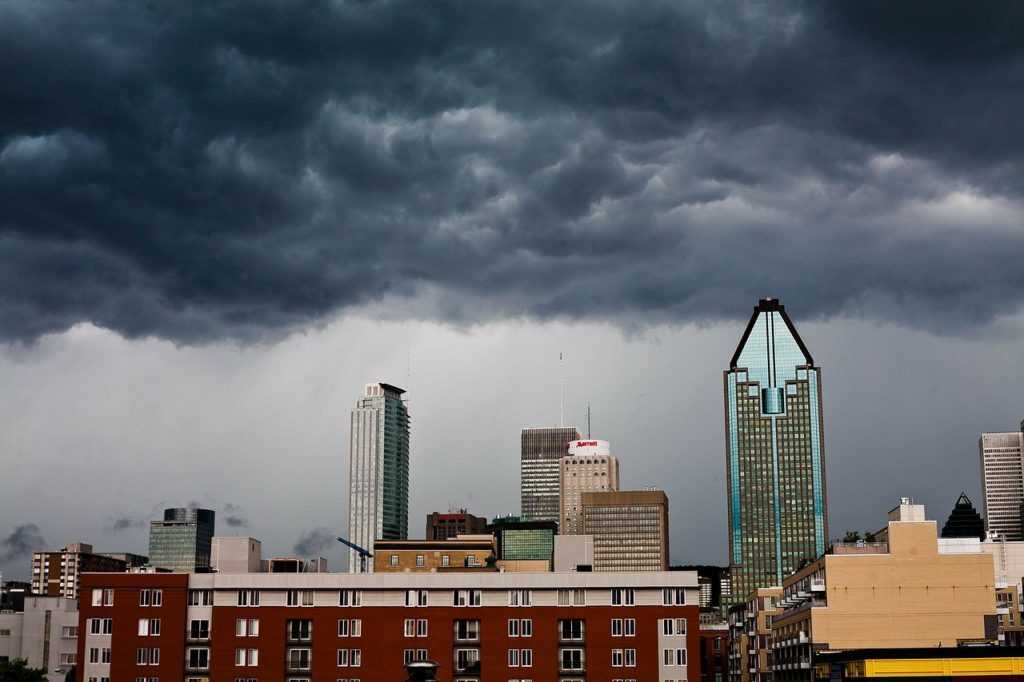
x=363 y=554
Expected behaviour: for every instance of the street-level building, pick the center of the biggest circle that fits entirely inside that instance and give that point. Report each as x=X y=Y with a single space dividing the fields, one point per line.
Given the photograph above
x=908 y=596
x=935 y=664
x=630 y=529
x=340 y=626
x=183 y=540
x=775 y=460
x=1002 y=482
x=378 y=492
x=540 y=451
x=588 y=467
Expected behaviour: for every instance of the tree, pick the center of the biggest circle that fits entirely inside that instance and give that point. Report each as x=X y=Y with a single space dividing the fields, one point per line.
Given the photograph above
x=852 y=536
x=18 y=671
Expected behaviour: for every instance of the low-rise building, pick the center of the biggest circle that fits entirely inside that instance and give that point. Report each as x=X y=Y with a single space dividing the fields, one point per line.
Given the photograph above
x=933 y=663
x=236 y=554
x=478 y=626
x=442 y=526
x=521 y=539
x=466 y=552
x=909 y=596
x=44 y=634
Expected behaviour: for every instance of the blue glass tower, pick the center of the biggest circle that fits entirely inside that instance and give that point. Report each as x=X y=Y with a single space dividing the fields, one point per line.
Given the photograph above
x=775 y=460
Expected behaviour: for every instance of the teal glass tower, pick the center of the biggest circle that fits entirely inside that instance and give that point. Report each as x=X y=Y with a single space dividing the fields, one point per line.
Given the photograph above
x=378 y=507
x=775 y=459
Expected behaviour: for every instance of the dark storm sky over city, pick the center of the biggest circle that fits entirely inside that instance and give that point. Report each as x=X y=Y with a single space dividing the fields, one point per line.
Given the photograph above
x=218 y=222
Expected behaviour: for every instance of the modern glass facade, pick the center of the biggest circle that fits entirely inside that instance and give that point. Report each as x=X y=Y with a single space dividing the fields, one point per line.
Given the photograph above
x=775 y=459
x=540 y=452
x=182 y=542
x=378 y=469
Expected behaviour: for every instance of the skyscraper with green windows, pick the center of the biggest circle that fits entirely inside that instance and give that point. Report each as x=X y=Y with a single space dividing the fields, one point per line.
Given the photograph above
x=774 y=455
x=378 y=506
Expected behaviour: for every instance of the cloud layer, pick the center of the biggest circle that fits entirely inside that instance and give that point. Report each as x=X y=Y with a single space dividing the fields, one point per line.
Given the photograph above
x=247 y=169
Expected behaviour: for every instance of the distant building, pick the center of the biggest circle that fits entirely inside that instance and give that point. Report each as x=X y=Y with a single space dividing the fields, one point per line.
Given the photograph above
x=520 y=539
x=714 y=653
x=292 y=564
x=574 y=553
x=775 y=461
x=541 y=449
x=750 y=635
x=183 y=541
x=1002 y=482
x=630 y=529
x=964 y=521
x=587 y=467
x=56 y=574
x=455 y=522
x=907 y=594
x=236 y=555
x=378 y=507
x=427 y=556
x=45 y=634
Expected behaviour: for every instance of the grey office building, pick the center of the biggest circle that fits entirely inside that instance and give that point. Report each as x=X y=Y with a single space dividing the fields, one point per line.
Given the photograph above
x=182 y=542
x=541 y=449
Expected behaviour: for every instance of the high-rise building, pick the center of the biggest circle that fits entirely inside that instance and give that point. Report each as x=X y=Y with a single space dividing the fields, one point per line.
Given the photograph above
x=455 y=522
x=588 y=467
x=183 y=541
x=56 y=574
x=963 y=521
x=378 y=492
x=775 y=462
x=1002 y=482
x=630 y=529
x=540 y=452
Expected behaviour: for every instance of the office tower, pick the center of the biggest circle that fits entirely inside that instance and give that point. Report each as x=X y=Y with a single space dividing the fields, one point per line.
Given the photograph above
x=630 y=529
x=378 y=492
x=455 y=522
x=774 y=453
x=522 y=539
x=588 y=467
x=56 y=574
x=963 y=521
x=541 y=450
x=1002 y=482
x=183 y=541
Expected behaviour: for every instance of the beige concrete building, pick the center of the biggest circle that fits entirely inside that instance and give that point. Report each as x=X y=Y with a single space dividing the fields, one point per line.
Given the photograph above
x=573 y=551
x=236 y=554
x=45 y=634
x=630 y=529
x=1002 y=482
x=750 y=635
x=588 y=467
x=463 y=552
x=908 y=595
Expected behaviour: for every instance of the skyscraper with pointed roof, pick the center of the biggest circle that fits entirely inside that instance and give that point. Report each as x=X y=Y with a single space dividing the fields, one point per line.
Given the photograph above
x=775 y=460
x=964 y=521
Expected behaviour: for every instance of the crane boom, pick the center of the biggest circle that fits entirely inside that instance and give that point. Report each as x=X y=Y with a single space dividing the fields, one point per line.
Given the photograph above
x=363 y=553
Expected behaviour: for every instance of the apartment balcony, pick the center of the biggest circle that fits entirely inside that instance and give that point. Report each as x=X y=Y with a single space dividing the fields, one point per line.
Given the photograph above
x=817 y=586
x=1002 y=610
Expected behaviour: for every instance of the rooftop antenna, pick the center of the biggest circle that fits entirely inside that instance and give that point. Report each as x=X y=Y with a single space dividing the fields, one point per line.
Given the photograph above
x=588 y=421
x=561 y=391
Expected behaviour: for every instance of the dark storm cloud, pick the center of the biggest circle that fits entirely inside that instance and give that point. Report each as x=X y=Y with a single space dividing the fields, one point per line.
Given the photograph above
x=25 y=539
x=314 y=542
x=234 y=516
x=241 y=170
x=125 y=522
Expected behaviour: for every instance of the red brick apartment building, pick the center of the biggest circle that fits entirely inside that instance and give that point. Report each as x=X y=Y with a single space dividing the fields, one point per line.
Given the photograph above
x=334 y=627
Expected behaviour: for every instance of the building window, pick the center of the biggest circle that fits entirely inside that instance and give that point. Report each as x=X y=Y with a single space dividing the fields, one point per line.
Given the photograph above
x=198 y=658
x=343 y=658
x=673 y=626
x=300 y=630
x=394 y=559
x=446 y=560
x=520 y=597
x=246 y=627
x=526 y=627
x=513 y=627
x=467 y=660
x=349 y=598
x=200 y=597
x=247 y=657
x=674 y=596
x=466 y=597
x=350 y=628
x=416 y=597
x=630 y=658
x=513 y=658
x=630 y=624
x=526 y=657
x=622 y=596
x=674 y=656
x=248 y=597
x=570 y=660
x=573 y=597
x=199 y=629
x=616 y=627
x=298 y=659
x=149 y=627
x=467 y=630
x=300 y=598
x=69 y=631
x=616 y=658
x=570 y=629
x=420 y=561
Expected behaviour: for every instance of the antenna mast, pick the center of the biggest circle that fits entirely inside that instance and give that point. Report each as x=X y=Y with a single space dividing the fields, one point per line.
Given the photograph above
x=561 y=391
x=588 y=421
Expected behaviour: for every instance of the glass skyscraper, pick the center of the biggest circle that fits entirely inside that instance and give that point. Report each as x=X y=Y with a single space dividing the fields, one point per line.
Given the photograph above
x=775 y=459
x=183 y=540
x=378 y=506
x=541 y=449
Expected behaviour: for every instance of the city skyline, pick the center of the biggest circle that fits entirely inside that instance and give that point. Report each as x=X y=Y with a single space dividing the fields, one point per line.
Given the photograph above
x=219 y=225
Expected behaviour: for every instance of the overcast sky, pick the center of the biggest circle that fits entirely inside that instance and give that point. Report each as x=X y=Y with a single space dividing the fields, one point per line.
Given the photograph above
x=217 y=223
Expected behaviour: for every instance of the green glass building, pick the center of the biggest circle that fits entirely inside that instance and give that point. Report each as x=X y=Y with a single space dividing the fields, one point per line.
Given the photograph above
x=775 y=458
x=520 y=538
x=182 y=542
x=378 y=506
